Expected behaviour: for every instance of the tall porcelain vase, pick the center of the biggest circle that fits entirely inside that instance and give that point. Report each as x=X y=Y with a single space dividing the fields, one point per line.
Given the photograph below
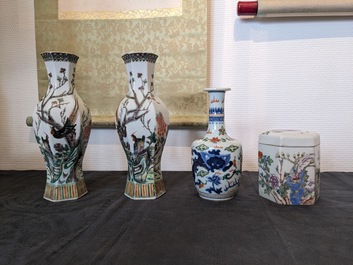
x=62 y=125
x=142 y=122
x=216 y=158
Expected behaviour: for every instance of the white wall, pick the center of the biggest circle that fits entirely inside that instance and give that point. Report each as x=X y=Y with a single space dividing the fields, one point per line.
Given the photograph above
x=284 y=73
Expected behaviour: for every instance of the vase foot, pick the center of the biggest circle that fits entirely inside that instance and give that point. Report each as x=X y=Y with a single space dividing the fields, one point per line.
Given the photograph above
x=211 y=197
x=67 y=192
x=150 y=191
x=216 y=199
x=144 y=198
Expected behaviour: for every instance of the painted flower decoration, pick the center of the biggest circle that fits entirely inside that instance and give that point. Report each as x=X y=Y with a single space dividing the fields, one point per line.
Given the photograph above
x=310 y=188
x=274 y=182
x=215 y=180
x=260 y=154
x=162 y=126
x=222 y=131
x=215 y=140
x=58 y=147
x=62 y=70
x=296 y=195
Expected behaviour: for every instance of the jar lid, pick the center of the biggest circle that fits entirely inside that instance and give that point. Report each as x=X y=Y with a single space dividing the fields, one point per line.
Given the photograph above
x=293 y=138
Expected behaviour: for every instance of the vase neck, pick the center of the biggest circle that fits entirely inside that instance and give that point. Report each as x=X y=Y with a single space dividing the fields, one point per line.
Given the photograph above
x=216 y=114
x=140 y=78
x=61 y=72
x=140 y=72
x=61 y=76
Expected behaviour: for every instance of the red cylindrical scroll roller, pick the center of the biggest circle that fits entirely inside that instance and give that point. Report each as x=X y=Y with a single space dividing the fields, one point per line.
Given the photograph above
x=247 y=8
x=295 y=8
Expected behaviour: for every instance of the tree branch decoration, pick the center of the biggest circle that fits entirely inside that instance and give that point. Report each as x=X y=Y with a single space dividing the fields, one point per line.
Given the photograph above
x=148 y=147
x=293 y=187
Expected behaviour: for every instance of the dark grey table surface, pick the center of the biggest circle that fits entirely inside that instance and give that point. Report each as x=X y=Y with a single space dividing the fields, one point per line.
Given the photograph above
x=105 y=227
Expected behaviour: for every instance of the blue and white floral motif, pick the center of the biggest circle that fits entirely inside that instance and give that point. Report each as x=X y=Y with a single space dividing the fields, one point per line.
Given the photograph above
x=216 y=172
x=216 y=158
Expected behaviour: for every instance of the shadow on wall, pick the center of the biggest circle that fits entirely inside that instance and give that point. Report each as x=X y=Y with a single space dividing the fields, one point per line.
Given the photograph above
x=184 y=137
x=283 y=29
x=176 y=137
x=4 y=119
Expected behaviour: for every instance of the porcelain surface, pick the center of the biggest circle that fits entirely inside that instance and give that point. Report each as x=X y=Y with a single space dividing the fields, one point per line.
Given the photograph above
x=62 y=126
x=216 y=158
x=142 y=122
x=289 y=173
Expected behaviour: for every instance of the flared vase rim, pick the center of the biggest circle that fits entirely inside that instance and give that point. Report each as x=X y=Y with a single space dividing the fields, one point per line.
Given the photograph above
x=59 y=56
x=146 y=52
x=139 y=57
x=216 y=89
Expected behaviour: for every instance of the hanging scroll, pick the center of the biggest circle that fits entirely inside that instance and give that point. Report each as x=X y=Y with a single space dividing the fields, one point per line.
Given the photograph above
x=100 y=32
x=295 y=8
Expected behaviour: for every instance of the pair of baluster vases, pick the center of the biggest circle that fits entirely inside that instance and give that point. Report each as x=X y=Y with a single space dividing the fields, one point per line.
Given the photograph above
x=62 y=126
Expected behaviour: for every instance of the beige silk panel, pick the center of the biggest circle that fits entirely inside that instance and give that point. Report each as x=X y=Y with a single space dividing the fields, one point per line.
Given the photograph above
x=180 y=41
x=297 y=8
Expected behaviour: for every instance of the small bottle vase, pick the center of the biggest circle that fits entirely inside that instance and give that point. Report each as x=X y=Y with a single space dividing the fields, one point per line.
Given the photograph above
x=216 y=158
x=62 y=126
x=142 y=122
